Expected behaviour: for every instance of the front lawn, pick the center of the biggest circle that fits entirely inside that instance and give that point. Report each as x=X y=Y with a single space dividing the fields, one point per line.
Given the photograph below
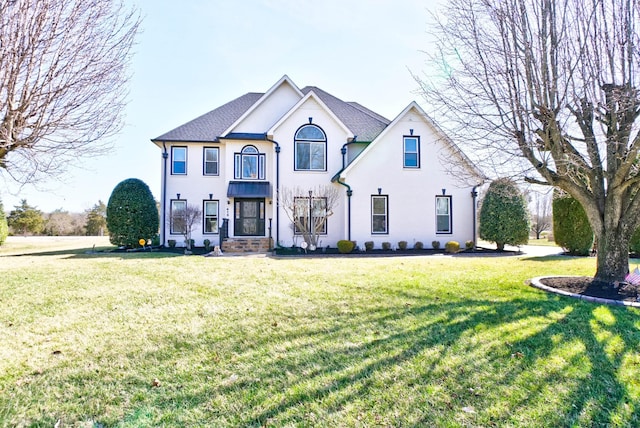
x=154 y=339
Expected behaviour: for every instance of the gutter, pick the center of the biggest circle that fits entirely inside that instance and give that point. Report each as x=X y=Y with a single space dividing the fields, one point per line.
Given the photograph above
x=336 y=179
x=163 y=197
x=474 y=196
x=277 y=148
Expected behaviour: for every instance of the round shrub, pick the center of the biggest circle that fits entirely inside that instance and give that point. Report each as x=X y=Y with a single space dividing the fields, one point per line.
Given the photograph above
x=452 y=247
x=386 y=245
x=504 y=218
x=368 y=245
x=469 y=245
x=345 y=246
x=571 y=228
x=418 y=245
x=131 y=213
x=402 y=245
x=435 y=245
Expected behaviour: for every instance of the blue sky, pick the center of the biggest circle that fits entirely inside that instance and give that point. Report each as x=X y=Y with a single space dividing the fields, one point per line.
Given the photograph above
x=195 y=55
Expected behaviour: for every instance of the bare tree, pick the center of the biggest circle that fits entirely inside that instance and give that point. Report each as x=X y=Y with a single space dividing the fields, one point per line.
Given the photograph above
x=540 y=206
x=548 y=91
x=184 y=220
x=308 y=210
x=63 y=76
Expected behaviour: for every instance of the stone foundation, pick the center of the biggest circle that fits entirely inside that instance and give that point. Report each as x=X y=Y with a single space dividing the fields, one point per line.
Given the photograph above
x=246 y=245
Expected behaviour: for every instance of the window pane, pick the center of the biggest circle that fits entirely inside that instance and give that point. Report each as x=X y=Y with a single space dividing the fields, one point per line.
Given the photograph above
x=410 y=159
x=379 y=223
x=443 y=223
x=211 y=225
x=310 y=132
x=179 y=167
x=211 y=155
x=411 y=145
x=249 y=149
x=379 y=206
x=179 y=154
x=317 y=156
x=211 y=168
x=211 y=208
x=249 y=166
x=302 y=155
x=250 y=209
x=442 y=206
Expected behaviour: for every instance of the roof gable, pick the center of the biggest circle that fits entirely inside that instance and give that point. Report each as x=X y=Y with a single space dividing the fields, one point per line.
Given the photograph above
x=463 y=161
x=211 y=125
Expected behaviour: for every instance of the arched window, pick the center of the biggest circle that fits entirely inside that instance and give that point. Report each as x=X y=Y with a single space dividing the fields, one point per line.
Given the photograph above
x=310 y=149
x=249 y=164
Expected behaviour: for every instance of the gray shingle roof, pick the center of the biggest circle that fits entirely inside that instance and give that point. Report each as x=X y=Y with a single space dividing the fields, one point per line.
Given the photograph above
x=362 y=122
x=209 y=126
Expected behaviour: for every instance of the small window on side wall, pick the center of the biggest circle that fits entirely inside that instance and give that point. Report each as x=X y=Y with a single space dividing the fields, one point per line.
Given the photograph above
x=178 y=160
x=177 y=216
x=411 y=152
x=443 y=214
x=211 y=163
x=379 y=214
x=210 y=213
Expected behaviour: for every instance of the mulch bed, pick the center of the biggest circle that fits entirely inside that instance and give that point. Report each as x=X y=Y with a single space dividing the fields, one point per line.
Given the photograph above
x=587 y=286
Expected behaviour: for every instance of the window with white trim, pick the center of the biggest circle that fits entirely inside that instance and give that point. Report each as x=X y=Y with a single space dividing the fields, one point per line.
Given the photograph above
x=411 y=150
x=211 y=161
x=177 y=212
x=178 y=160
x=310 y=149
x=443 y=214
x=249 y=164
x=210 y=213
x=379 y=214
x=317 y=221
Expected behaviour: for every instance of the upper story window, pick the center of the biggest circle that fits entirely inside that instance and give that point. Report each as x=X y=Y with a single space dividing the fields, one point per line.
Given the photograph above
x=411 y=158
x=249 y=164
x=443 y=214
x=310 y=149
x=178 y=160
x=211 y=161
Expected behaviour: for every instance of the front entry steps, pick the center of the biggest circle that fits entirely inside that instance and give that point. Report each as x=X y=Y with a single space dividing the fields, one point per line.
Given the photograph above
x=246 y=245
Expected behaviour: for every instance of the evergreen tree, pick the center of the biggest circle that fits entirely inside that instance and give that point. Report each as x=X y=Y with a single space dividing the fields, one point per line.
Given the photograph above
x=571 y=228
x=131 y=213
x=504 y=218
x=97 y=220
x=26 y=219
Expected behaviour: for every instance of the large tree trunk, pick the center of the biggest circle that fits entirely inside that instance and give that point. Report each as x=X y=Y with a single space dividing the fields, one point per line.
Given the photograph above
x=613 y=256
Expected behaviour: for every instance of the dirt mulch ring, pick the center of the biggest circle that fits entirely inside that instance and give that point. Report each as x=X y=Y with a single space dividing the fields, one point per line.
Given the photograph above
x=588 y=289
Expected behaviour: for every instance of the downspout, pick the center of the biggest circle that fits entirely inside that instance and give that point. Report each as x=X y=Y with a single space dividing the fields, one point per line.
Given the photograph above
x=474 y=196
x=165 y=156
x=277 y=147
x=343 y=150
x=349 y=193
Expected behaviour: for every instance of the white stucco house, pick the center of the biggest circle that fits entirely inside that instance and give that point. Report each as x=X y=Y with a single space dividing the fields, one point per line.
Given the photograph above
x=399 y=180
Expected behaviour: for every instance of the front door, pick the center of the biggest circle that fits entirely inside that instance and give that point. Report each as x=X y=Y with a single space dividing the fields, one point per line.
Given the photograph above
x=249 y=217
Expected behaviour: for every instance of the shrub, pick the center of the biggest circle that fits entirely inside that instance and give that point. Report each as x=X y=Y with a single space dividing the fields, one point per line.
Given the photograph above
x=435 y=245
x=452 y=247
x=469 y=245
x=418 y=245
x=571 y=228
x=4 y=227
x=402 y=245
x=345 y=246
x=131 y=213
x=504 y=218
x=368 y=245
x=207 y=244
x=172 y=243
x=386 y=245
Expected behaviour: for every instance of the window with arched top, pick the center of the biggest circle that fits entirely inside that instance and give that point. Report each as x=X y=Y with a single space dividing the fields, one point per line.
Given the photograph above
x=310 y=149
x=249 y=164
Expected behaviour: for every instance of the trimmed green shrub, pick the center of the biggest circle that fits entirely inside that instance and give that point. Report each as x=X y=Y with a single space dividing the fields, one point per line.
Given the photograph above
x=571 y=228
x=469 y=245
x=368 y=245
x=402 y=245
x=435 y=245
x=418 y=245
x=452 y=247
x=504 y=218
x=172 y=243
x=345 y=246
x=386 y=246
x=207 y=244
x=131 y=213
x=4 y=227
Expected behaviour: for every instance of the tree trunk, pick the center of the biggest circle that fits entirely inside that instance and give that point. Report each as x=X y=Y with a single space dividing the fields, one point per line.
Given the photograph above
x=613 y=256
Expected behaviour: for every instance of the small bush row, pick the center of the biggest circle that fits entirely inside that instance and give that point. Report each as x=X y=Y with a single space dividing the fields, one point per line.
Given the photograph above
x=450 y=247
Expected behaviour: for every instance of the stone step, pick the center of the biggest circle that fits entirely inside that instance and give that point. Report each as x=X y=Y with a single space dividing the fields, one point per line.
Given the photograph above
x=247 y=245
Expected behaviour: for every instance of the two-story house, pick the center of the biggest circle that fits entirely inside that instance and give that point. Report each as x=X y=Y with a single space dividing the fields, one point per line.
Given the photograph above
x=399 y=180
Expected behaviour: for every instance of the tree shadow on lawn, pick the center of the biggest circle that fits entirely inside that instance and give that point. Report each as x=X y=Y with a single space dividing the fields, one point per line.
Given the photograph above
x=90 y=253
x=543 y=361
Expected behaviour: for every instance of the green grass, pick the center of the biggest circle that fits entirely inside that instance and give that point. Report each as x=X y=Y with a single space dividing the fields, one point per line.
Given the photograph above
x=257 y=341
x=542 y=241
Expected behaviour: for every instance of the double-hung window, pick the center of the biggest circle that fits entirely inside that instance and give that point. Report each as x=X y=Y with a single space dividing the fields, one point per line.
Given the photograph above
x=443 y=214
x=310 y=215
x=210 y=213
x=178 y=160
x=177 y=215
x=411 y=154
x=380 y=214
x=211 y=161
x=310 y=149
x=249 y=164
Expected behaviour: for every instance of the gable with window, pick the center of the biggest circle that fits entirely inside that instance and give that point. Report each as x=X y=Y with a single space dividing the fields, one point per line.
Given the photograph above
x=178 y=160
x=310 y=149
x=443 y=214
x=379 y=214
x=249 y=164
x=411 y=152
x=211 y=161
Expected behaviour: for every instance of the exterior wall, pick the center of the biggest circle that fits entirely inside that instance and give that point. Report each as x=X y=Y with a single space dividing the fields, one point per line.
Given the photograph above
x=306 y=180
x=411 y=191
x=270 y=110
